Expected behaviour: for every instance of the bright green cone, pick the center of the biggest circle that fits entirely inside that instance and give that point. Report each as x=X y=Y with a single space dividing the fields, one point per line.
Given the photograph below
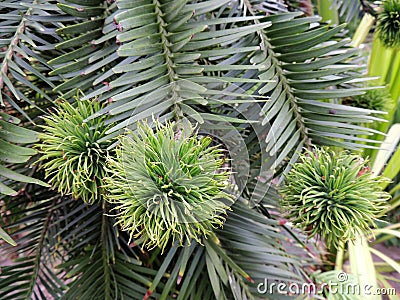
x=333 y=196
x=168 y=185
x=74 y=158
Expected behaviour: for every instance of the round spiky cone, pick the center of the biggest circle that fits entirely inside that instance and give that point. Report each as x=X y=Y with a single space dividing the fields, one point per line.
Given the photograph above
x=332 y=195
x=74 y=158
x=168 y=185
x=388 y=26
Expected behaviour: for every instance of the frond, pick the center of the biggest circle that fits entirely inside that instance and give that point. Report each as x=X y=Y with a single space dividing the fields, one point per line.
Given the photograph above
x=351 y=10
x=174 y=59
x=261 y=248
x=22 y=80
x=269 y=7
x=11 y=153
x=31 y=275
x=308 y=64
x=12 y=156
x=85 y=49
x=101 y=265
x=161 y=67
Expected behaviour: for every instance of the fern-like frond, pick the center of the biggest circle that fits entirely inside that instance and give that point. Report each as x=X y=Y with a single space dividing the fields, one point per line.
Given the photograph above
x=351 y=9
x=261 y=248
x=274 y=77
x=23 y=80
x=96 y=268
x=13 y=156
x=32 y=275
x=11 y=153
x=84 y=51
x=101 y=265
x=161 y=66
x=308 y=65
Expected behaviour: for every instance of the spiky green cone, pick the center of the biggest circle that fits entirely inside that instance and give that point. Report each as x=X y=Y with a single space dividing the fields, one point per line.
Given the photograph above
x=74 y=158
x=333 y=196
x=168 y=186
x=388 y=26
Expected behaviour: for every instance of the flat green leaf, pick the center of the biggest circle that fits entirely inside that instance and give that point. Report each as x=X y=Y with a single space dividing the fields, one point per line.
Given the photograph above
x=19 y=177
x=81 y=27
x=7 y=190
x=7 y=238
x=79 y=40
x=80 y=11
